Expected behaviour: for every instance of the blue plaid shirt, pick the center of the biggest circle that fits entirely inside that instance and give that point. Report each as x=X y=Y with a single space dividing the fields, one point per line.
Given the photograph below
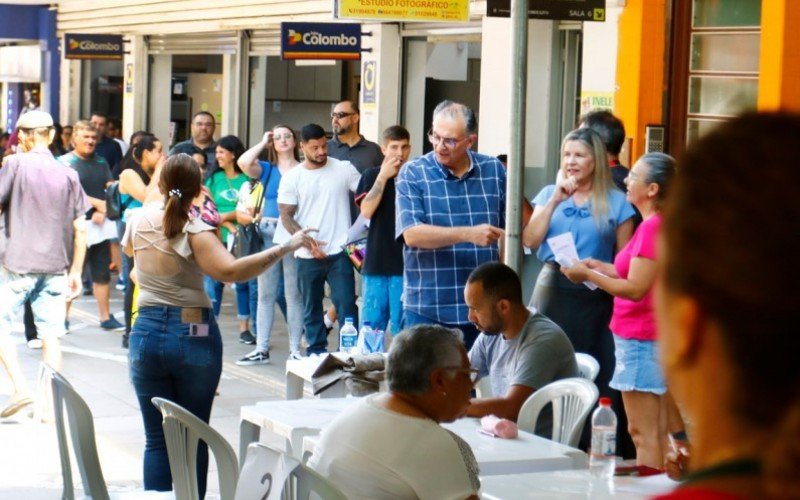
x=428 y=193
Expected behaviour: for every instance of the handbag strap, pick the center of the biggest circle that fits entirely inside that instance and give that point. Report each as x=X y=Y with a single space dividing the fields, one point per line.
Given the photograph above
x=260 y=202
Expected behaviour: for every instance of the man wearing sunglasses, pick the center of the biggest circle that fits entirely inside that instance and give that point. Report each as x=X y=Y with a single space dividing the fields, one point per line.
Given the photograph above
x=519 y=350
x=451 y=214
x=347 y=144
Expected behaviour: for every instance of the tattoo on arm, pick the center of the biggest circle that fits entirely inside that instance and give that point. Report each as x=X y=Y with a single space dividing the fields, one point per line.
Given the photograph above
x=375 y=192
x=287 y=218
x=273 y=255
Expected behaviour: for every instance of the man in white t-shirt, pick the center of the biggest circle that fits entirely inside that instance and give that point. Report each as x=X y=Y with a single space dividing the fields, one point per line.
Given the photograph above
x=316 y=194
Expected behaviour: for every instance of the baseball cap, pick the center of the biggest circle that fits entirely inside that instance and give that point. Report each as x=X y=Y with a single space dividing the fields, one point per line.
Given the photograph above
x=35 y=119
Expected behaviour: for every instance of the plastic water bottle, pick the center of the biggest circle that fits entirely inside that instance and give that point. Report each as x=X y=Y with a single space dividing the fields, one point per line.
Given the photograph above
x=363 y=337
x=348 y=337
x=604 y=440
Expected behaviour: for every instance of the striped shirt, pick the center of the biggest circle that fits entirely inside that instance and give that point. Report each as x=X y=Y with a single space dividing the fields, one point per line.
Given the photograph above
x=429 y=193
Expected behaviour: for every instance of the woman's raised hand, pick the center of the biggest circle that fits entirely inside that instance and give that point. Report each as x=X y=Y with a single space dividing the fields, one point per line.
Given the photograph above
x=564 y=189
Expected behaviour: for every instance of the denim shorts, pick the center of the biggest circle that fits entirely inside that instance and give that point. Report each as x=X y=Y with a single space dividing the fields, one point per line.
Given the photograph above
x=47 y=293
x=638 y=367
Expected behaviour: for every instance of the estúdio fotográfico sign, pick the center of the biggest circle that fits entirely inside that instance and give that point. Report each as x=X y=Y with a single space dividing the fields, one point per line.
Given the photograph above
x=403 y=10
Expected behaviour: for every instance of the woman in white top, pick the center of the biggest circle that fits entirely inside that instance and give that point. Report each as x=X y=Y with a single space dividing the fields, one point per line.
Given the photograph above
x=390 y=445
x=175 y=345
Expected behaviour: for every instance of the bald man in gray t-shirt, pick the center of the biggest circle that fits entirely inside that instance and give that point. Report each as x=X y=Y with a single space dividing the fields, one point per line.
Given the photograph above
x=520 y=350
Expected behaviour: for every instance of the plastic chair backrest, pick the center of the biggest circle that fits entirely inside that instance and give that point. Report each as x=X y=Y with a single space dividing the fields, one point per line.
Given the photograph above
x=587 y=365
x=307 y=482
x=81 y=430
x=483 y=387
x=264 y=473
x=182 y=432
x=572 y=400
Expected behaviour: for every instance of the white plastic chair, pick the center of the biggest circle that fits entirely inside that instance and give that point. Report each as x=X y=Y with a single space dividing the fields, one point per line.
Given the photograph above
x=572 y=399
x=79 y=418
x=264 y=474
x=587 y=365
x=182 y=432
x=306 y=482
x=483 y=388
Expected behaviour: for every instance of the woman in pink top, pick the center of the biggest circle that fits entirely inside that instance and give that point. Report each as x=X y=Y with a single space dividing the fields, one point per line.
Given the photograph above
x=630 y=280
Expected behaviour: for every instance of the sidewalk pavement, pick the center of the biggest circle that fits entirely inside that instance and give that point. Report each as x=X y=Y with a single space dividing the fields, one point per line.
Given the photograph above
x=97 y=366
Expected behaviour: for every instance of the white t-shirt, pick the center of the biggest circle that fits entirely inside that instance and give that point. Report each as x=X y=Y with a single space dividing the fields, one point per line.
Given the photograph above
x=322 y=197
x=373 y=453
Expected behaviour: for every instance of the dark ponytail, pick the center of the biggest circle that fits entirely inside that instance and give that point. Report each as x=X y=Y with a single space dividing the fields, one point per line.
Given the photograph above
x=180 y=184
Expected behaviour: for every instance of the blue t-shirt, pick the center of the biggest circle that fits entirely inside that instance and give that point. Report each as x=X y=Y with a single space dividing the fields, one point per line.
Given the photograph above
x=271 y=178
x=590 y=240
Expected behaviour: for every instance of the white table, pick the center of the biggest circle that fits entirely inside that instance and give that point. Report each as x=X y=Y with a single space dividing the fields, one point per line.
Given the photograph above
x=571 y=484
x=299 y=371
x=295 y=420
x=290 y=420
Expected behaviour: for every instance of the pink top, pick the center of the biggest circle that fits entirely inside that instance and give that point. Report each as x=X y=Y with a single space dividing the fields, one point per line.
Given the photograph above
x=635 y=319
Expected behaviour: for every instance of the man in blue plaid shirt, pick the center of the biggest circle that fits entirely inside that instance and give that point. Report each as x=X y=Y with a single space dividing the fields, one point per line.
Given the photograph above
x=451 y=214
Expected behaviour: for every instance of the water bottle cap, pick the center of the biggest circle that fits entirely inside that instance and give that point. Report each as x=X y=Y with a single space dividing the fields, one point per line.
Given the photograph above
x=605 y=401
x=348 y=319
x=367 y=323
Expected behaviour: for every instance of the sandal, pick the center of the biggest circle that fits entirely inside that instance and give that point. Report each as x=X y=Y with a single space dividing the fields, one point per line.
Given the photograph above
x=15 y=406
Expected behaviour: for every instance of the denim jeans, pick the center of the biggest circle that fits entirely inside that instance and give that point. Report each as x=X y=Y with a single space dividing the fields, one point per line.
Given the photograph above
x=278 y=283
x=383 y=301
x=46 y=293
x=311 y=275
x=469 y=331
x=167 y=362
x=246 y=297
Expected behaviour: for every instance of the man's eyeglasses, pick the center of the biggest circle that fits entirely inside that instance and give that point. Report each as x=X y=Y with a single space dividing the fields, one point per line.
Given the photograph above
x=448 y=142
x=340 y=115
x=474 y=374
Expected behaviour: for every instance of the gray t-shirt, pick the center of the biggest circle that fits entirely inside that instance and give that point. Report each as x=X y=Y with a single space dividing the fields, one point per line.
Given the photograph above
x=540 y=354
x=40 y=199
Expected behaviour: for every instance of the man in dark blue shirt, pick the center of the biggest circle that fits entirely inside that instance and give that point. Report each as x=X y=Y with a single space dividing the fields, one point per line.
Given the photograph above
x=106 y=146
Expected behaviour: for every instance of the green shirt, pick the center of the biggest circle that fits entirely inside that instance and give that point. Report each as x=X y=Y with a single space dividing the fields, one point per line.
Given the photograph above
x=225 y=193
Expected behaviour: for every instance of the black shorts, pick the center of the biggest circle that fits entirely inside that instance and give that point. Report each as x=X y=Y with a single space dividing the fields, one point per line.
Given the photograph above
x=98 y=260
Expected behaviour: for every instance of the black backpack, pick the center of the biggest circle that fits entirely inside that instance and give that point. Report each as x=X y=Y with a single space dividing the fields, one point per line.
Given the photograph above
x=114 y=205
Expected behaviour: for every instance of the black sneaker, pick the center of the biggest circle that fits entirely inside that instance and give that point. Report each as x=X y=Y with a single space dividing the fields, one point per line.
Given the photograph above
x=125 y=340
x=254 y=358
x=247 y=338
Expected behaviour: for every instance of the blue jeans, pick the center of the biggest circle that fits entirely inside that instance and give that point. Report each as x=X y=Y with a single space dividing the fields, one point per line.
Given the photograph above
x=382 y=297
x=311 y=275
x=246 y=297
x=167 y=362
x=46 y=293
x=469 y=331
x=278 y=285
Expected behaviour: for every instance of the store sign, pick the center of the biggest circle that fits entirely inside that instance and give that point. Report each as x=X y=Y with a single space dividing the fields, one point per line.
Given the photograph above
x=403 y=10
x=320 y=41
x=369 y=95
x=559 y=10
x=108 y=47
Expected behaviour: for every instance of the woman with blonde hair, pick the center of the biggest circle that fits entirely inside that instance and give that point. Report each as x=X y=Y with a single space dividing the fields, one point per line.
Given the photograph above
x=586 y=204
x=175 y=344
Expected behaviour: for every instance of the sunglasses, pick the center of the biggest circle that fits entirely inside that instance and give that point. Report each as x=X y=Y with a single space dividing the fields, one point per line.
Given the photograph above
x=340 y=115
x=278 y=137
x=474 y=374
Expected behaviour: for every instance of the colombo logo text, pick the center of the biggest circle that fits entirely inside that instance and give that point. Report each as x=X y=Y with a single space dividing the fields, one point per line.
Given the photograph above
x=317 y=38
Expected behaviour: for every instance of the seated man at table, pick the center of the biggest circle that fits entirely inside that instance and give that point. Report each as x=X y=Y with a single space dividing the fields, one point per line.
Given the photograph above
x=519 y=350
x=390 y=445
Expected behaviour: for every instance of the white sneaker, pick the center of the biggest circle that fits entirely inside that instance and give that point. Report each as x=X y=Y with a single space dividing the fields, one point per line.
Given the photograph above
x=295 y=355
x=35 y=344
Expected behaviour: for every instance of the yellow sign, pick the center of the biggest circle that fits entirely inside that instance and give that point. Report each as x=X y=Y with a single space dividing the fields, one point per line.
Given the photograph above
x=596 y=100
x=403 y=10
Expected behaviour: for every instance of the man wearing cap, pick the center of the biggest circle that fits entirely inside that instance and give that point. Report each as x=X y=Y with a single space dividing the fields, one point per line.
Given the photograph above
x=42 y=245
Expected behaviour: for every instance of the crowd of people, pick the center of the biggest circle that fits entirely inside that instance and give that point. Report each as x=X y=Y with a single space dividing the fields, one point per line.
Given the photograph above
x=431 y=276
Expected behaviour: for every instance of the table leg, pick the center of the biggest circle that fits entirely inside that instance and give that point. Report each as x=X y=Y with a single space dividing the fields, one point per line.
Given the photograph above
x=294 y=386
x=248 y=433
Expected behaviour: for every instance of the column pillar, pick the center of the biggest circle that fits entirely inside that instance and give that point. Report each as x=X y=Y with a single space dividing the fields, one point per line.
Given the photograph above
x=134 y=97
x=380 y=77
x=779 y=67
x=160 y=91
